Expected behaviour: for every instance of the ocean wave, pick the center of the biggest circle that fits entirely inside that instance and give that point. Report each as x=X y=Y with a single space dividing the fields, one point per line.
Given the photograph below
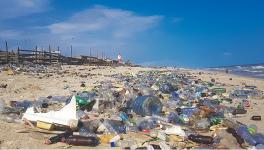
x=257 y=67
x=253 y=71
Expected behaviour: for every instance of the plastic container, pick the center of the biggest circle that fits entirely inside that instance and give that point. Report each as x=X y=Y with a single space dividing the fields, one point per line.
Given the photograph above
x=147 y=105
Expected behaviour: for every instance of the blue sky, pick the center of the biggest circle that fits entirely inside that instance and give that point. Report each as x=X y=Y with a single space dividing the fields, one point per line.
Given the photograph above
x=189 y=33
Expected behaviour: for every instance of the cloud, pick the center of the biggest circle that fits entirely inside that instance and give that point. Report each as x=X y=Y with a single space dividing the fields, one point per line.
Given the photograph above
x=101 y=28
x=16 y=8
x=117 y=23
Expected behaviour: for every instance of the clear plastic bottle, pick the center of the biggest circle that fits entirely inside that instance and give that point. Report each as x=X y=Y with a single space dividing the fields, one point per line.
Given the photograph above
x=147 y=105
x=189 y=111
x=160 y=118
x=2 y=106
x=147 y=124
x=86 y=132
x=202 y=124
x=114 y=126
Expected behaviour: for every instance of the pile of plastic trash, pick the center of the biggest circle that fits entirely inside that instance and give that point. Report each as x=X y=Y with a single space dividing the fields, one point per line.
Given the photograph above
x=149 y=110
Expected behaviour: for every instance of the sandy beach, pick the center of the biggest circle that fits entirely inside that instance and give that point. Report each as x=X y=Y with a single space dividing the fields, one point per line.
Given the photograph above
x=26 y=86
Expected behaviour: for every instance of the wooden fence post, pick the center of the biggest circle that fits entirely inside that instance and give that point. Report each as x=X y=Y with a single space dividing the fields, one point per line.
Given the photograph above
x=6 y=52
x=49 y=54
x=18 y=53
x=36 y=54
x=58 y=54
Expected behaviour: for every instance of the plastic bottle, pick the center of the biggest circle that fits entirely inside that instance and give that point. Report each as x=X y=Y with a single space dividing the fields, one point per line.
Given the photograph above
x=59 y=137
x=86 y=132
x=219 y=90
x=147 y=124
x=202 y=124
x=12 y=118
x=201 y=139
x=260 y=146
x=256 y=118
x=24 y=104
x=243 y=132
x=239 y=111
x=189 y=111
x=114 y=126
x=259 y=138
x=173 y=118
x=166 y=88
x=123 y=116
x=147 y=105
x=160 y=118
x=175 y=95
x=2 y=106
x=215 y=120
x=80 y=114
x=81 y=101
x=81 y=141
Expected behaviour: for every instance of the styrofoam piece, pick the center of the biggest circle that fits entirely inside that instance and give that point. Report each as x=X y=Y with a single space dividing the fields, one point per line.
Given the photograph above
x=66 y=116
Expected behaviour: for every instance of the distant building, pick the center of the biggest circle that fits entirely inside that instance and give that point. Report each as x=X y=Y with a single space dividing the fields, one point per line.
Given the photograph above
x=119 y=58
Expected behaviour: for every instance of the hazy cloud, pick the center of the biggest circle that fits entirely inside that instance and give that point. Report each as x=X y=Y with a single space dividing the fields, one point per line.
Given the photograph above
x=16 y=8
x=107 y=21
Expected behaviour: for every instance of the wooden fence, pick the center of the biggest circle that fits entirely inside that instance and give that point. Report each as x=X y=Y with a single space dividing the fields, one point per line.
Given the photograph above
x=22 y=56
